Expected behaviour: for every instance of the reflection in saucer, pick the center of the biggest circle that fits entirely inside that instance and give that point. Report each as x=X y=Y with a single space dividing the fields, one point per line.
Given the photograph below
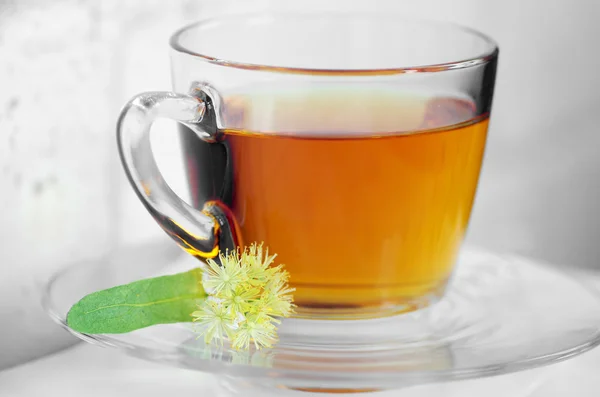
x=426 y=358
x=195 y=348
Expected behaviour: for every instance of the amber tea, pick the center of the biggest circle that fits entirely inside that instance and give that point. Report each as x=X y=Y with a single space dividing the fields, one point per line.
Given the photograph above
x=364 y=195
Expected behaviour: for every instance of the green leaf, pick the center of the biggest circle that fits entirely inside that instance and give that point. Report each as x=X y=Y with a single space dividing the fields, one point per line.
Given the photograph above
x=159 y=300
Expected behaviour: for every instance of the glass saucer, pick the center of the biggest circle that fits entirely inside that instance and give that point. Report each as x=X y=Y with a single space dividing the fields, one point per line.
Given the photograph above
x=501 y=314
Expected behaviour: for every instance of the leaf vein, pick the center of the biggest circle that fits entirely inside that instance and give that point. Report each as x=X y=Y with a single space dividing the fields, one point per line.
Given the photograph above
x=151 y=303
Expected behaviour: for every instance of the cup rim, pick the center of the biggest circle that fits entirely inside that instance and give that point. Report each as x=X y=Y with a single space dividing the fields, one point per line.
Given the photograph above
x=490 y=54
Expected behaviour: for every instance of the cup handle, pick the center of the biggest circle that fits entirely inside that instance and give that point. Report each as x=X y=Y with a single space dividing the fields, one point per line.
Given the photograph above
x=202 y=233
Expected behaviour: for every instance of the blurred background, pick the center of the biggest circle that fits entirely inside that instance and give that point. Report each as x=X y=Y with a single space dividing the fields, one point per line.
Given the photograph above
x=67 y=66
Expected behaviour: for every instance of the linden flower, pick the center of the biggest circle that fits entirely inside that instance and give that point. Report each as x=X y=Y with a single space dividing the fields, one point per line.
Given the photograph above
x=216 y=320
x=247 y=295
x=257 y=329
x=222 y=280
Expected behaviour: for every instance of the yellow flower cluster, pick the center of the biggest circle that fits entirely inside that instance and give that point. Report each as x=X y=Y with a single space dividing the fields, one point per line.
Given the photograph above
x=247 y=296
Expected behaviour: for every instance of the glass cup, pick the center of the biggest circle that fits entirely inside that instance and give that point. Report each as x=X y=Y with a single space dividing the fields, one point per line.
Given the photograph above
x=349 y=144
